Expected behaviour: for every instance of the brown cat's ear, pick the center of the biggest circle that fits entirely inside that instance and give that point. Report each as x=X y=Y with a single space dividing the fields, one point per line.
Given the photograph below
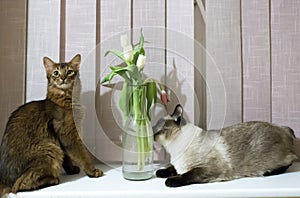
x=48 y=64
x=75 y=62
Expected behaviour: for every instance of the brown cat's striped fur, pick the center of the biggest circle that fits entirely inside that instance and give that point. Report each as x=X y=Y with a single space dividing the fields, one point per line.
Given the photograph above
x=41 y=136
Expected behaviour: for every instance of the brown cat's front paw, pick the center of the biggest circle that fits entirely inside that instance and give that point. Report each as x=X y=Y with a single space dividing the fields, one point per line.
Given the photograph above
x=95 y=173
x=73 y=170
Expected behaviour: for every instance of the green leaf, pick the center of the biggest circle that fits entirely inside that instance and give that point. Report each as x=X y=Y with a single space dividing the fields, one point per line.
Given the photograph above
x=124 y=103
x=138 y=44
x=135 y=57
x=116 y=70
x=118 y=54
x=141 y=40
x=108 y=77
x=151 y=96
x=155 y=93
x=134 y=73
x=140 y=50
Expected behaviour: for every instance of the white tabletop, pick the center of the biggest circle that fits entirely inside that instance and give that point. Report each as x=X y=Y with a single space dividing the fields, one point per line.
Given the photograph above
x=112 y=184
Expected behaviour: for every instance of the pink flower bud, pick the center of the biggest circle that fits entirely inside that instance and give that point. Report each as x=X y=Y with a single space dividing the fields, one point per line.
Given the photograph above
x=164 y=97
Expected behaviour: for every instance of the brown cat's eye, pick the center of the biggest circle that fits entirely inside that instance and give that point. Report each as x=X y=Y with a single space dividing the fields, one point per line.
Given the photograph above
x=55 y=73
x=70 y=72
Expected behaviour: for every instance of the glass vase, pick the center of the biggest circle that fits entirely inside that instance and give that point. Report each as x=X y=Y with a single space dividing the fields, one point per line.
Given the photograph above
x=137 y=141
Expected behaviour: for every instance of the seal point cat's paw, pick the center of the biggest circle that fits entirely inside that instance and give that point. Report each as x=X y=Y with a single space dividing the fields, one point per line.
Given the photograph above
x=165 y=173
x=174 y=182
x=162 y=173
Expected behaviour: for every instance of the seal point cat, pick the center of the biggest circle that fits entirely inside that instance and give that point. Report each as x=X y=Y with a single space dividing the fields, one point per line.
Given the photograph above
x=248 y=149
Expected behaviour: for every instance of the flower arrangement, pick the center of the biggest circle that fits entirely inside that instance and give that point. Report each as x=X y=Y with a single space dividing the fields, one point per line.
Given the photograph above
x=138 y=94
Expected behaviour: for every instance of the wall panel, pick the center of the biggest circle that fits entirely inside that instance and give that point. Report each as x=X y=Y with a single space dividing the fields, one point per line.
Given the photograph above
x=80 y=38
x=13 y=21
x=180 y=55
x=285 y=41
x=223 y=71
x=43 y=40
x=150 y=16
x=251 y=66
x=200 y=66
x=256 y=60
x=115 y=18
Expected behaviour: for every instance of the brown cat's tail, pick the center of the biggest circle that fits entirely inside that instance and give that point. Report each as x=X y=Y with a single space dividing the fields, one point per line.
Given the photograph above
x=4 y=190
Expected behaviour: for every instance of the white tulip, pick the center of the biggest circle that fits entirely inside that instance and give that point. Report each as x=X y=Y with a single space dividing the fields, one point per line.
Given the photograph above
x=140 y=63
x=124 y=40
x=128 y=54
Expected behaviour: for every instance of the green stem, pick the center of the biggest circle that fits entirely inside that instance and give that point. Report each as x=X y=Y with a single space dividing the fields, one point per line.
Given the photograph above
x=139 y=144
x=149 y=148
x=136 y=103
x=139 y=102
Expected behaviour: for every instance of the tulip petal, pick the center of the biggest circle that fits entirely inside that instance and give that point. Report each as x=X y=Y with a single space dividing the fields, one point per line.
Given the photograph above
x=140 y=63
x=124 y=40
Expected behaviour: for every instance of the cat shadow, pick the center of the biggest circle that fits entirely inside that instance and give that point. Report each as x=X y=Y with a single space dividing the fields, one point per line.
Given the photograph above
x=102 y=126
x=174 y=87
x=109 y=119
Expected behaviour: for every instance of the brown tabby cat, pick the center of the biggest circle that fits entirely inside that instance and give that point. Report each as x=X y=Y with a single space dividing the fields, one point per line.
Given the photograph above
x=41 y=136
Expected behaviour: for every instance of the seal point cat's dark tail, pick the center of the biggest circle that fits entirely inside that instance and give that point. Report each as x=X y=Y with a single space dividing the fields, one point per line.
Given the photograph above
x=297 y=148
x=4 y=190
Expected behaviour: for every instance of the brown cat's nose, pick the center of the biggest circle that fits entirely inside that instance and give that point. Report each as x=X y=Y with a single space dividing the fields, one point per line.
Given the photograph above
x=63 y=79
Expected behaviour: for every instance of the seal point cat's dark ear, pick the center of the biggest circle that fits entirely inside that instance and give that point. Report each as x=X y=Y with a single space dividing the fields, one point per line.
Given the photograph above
x=48 y=64
x=75 y=62
x=177 y=114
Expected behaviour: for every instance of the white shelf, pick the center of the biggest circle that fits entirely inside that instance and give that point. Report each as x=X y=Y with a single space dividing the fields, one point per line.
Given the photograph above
x=113 y=185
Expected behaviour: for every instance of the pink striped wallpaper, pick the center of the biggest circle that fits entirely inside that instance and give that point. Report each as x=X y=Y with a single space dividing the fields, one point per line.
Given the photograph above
x=249 y=71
